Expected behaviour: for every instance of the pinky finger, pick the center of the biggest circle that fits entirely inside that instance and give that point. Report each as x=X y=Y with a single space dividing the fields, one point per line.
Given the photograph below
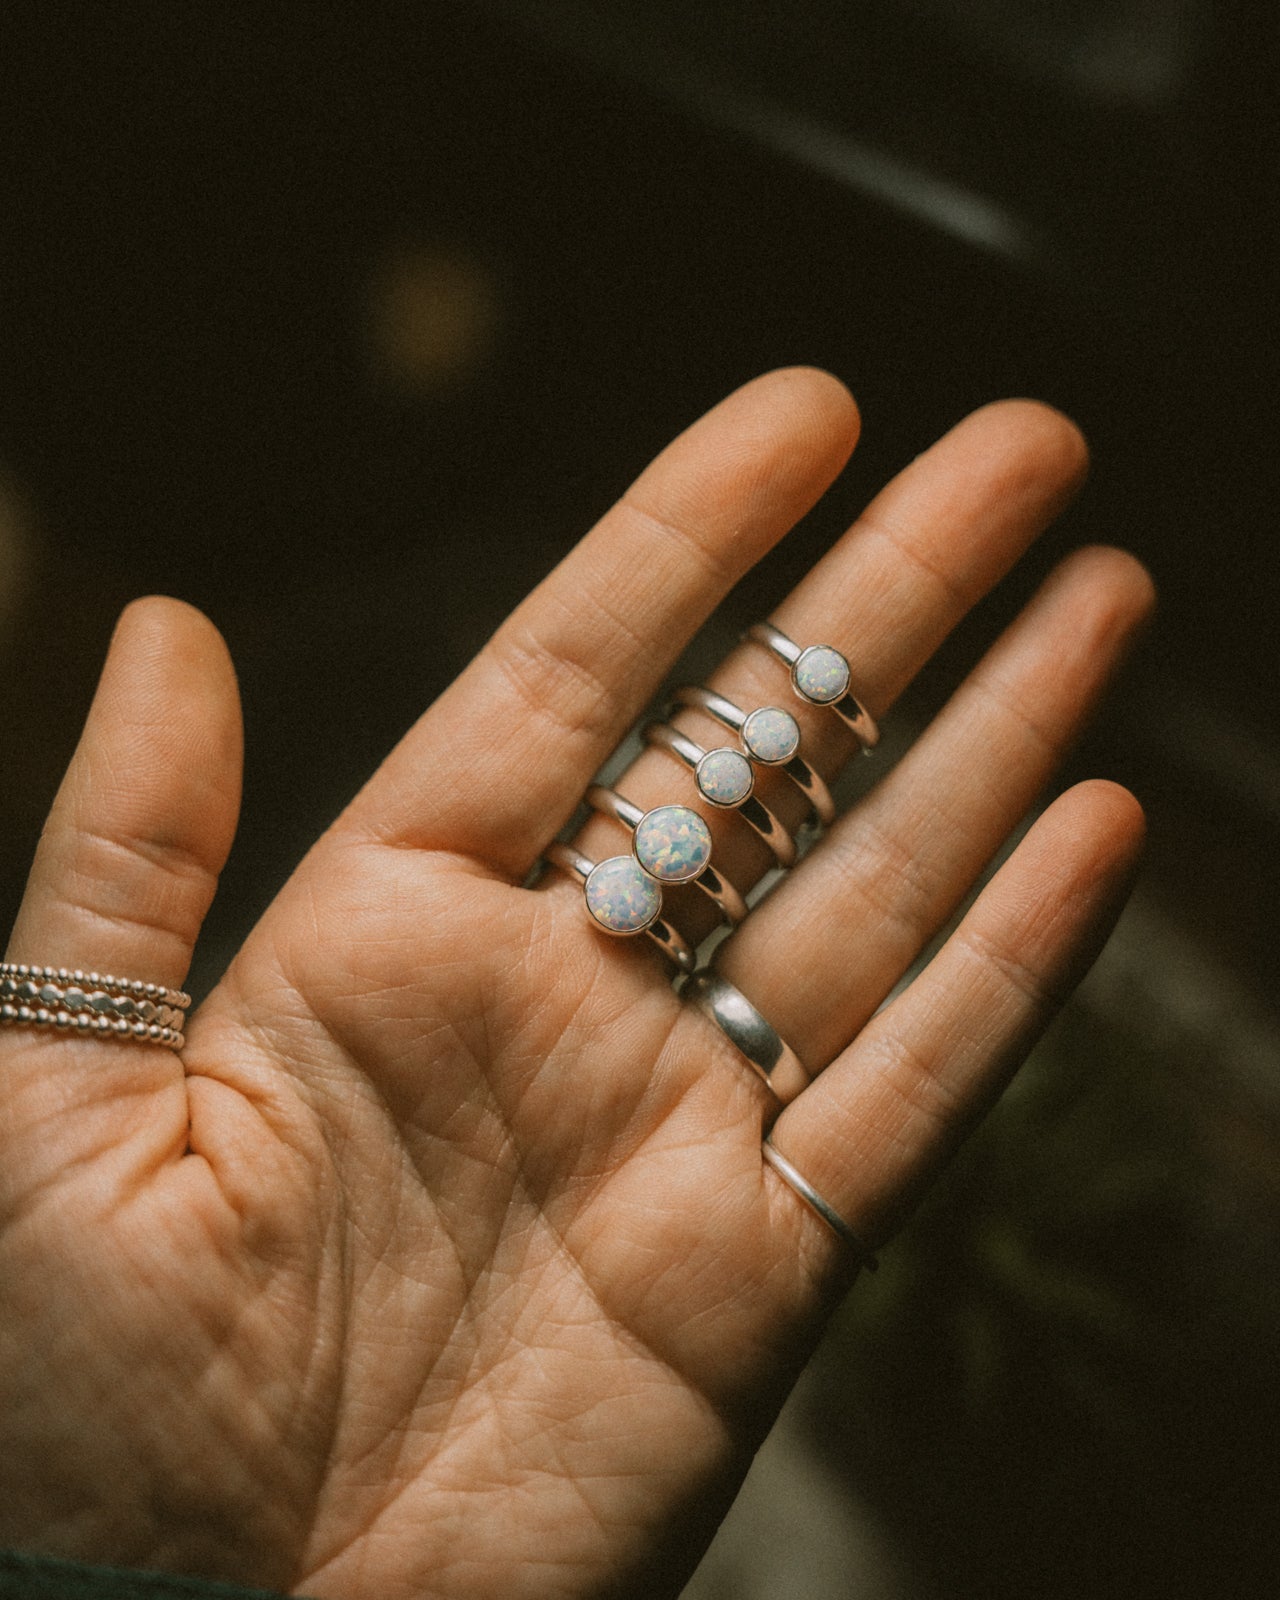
x=873 y=1129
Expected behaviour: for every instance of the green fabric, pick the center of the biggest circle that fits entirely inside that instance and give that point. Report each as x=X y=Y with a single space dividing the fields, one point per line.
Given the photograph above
x=38 y=1578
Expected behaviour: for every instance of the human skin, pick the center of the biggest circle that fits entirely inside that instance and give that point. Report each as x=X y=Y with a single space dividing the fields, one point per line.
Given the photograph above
x=443 y=1262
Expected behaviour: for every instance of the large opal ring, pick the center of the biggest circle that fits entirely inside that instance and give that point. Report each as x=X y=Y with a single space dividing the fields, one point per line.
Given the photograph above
x=673 y=845
x=820 y=675
x=770 y=736
x=726 y=778
x=622 y=899
x=771 y=1057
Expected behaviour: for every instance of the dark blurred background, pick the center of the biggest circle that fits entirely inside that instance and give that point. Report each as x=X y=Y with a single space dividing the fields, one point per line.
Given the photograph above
x=344 y=323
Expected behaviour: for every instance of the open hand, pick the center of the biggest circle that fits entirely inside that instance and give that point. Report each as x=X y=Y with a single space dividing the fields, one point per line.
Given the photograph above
x=444 y=1262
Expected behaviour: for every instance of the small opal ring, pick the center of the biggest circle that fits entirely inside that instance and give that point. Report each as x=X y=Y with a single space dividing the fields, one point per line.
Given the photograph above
x=820 y=675
x=801 y=1186
x=726 y=778
x=673 y=845
x=622 y=899
x=771 y=1056
x=770 y=736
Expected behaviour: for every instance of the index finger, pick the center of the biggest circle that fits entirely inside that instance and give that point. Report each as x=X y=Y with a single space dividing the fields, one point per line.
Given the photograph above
x=496 y=766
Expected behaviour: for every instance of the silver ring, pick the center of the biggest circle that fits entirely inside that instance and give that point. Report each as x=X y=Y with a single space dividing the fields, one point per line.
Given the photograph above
x=769 y=1054
x=801 y=1186
x=820 y=675
x=770 y=736
x=673 y=845
x=92 y=1003
x=129 y=988
x=751 y=809
x=622 y=899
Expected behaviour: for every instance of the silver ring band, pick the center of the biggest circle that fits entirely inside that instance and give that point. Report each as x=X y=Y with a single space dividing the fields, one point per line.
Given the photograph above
x=793 y=764
x=125 y=988
x=582 y=868
x=91 y=1004
x=85 y=1024
x=819 y=675
x=86 y=999
x=752 y=810
x=770 y=1055
x=610 y=803
x=802 y=1187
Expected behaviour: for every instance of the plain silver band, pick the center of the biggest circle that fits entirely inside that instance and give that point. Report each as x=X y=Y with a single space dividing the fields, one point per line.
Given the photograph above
x=752 y=810
x=817 y=1204
x=769 y=1054
x=578 y=866
x=797 y=768
x=612 y=804
x=850 y=711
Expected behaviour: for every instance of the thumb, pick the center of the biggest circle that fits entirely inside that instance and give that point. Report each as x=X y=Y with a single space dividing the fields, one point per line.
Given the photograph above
x=123 y=876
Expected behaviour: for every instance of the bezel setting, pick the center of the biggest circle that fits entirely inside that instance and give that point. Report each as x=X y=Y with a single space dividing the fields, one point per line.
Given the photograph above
x=621 y=897
x=770 y=736
x=672 y=843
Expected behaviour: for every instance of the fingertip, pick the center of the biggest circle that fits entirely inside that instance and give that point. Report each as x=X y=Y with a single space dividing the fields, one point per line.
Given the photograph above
x=828 y=396
x=161 y=630
x=1100 y=828
x=163 y=742
x=1119 y=813
x=1099 y=599
x=165 y=653
x=1048 y=433
x=1035 y=452
x=821 y=407
x=1128 y=583
x=800 y=424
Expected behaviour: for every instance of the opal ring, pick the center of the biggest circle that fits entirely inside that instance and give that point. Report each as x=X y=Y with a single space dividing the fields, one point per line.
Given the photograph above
x=726 y=778
x=820 y=675
x=622 y=899
x=92 y=1003
x=801 y=1186
x=770 y=736
x=673 y=845
x=770 y=1056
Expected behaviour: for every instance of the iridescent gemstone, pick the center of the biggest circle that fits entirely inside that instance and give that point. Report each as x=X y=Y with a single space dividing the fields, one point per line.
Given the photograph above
x=725 y=777
x=771 y=735
x=672 y=843
x=621 y=896
x=820 y=674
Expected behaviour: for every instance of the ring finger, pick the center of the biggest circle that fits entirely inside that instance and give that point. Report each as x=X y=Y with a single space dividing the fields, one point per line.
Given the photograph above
x=824 y=950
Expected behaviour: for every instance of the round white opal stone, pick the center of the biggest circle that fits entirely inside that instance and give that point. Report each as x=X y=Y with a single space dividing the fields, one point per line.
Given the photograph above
x=820 y=674
x=672 y=843
x=621 y=896
x=771 y=735
x=725 y=777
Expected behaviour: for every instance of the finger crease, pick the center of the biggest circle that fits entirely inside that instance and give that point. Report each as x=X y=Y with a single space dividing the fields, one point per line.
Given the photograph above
x=959 y=595
x=711 y=564
x=1007 y=703
x=1019 y=974
x=173 y=860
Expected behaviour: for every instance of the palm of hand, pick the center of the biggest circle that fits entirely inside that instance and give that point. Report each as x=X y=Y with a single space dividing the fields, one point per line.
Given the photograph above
x=445 y=1264
x=461 y=1248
